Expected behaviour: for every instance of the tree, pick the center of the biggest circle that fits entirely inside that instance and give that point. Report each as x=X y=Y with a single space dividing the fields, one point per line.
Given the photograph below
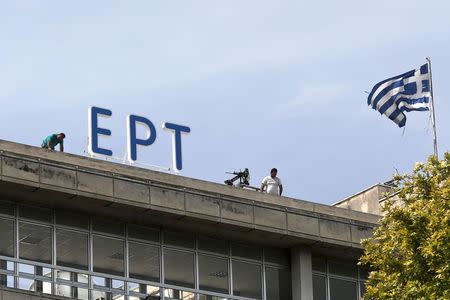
x=409 y=252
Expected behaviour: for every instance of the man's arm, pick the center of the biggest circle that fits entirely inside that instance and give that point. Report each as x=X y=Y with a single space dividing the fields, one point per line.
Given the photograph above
x=262 y=187
x=48 y=145
x=281 y=189
x=61 y=147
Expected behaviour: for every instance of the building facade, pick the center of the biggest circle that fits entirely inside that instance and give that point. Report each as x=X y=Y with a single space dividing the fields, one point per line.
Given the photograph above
x=81 y=228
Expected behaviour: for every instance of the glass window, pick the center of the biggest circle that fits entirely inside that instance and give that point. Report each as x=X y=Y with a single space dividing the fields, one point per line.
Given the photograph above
x=213 y=245
x=319 y=264
x=144 y=261
x=6 y=208
x=278 y=284
x=108 y=255
x=179 y=268
x=35 y=242
x=342 y=289
x=7 y=280
x=6 y=265
x=246 y=251
x=319 y=287
x=179 y=239
x=72 y=220
x=277 y=256
x=342 y=268
x=143 y=233
x=71 y=292
x=173 y=294
x=246 y=280
x=152 y=291
x=36 y=213
x=213 y=274
x=100 y=225
x=71 y=249
x=6 y=237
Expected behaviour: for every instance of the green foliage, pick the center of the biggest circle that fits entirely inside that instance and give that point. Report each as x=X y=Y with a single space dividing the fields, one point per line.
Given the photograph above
x=410 y=251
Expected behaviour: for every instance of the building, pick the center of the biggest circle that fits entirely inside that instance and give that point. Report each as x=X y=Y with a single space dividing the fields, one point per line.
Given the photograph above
x=77 y=227
x=372 y=199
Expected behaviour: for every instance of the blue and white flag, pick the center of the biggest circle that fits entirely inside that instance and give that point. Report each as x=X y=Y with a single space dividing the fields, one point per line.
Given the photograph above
x=403 y=93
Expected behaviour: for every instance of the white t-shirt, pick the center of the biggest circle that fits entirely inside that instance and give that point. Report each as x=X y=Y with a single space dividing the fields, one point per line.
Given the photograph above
x=272 y=185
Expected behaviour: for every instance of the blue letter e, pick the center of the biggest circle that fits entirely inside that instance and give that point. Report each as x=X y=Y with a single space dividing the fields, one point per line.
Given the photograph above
x=133 y=141
x=94 y=131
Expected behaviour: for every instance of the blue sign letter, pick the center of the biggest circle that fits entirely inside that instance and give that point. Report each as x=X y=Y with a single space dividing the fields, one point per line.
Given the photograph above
x=94 y=131
x=176 y=143
x=132 y=141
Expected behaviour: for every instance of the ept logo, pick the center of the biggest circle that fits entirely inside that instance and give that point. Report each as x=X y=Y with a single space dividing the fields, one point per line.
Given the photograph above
x=95 y=132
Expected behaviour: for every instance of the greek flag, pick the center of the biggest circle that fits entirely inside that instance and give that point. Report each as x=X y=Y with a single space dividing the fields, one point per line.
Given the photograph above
x=403 y=93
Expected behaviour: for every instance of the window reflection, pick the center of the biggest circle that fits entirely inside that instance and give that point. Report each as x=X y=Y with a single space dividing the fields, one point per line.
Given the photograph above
x=144 y=261
x=108 y=255
x=6 y=237
x=246 y=280
x=35 y=242
x=179 y=268
x=72 y=249
x=213 y=273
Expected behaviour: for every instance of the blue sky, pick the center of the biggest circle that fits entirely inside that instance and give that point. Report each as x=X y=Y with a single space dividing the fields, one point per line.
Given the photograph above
x=262 y=84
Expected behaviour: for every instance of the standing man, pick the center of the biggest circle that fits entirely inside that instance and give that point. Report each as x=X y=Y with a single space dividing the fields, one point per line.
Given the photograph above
x=52 y=140
x=272 y=184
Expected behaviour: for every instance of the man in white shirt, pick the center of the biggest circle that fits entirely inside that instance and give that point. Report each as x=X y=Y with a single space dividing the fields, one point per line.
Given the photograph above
x=272 y=184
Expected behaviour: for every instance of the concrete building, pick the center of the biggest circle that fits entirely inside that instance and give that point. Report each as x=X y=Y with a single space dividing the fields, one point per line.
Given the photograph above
x=77 y=227
x=372 y=199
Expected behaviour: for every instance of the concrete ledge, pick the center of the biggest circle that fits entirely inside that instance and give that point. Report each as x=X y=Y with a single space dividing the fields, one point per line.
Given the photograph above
x=156 y=191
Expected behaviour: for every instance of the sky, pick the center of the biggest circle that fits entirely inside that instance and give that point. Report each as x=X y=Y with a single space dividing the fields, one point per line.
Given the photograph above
x=261 y=84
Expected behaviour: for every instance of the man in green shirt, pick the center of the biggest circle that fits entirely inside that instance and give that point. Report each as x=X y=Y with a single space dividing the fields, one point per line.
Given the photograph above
x=52 y=140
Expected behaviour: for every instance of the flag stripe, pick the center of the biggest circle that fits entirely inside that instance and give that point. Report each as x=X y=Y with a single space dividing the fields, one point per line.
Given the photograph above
x=407 y=92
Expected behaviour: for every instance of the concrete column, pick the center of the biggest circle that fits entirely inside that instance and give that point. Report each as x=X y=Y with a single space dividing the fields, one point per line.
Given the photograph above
x=301 y=273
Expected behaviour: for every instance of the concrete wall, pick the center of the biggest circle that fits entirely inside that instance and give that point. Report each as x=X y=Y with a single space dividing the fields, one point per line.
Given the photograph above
x=367 y=201
x=288 y=220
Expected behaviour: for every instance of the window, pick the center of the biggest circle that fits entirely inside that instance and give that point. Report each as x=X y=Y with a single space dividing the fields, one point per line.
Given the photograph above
x=36 y=213
x=71 y=249
x=179 y=268
x=108 y=255
x=319 y=287
x=246 y=280
x=143 y=233
x=213 y=273
x=213 y=245
x=278 y=284
x=7 y=208
x=246 y=251
x=72 y=220
x=35 y=242
x=343 y=268
x=342 y=289
x=144 y=261
x=179 y=239
x=107 y=226
x=277 y=256
x=6 y=237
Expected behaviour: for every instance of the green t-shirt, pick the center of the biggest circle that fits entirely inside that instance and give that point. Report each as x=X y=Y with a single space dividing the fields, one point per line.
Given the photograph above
x=53 y=139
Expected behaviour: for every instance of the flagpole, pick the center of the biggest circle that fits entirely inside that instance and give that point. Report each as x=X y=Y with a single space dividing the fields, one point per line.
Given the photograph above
x=433 y=115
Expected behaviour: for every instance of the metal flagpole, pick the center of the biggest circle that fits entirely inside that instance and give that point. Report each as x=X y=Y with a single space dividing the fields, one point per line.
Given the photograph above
x=433 y=115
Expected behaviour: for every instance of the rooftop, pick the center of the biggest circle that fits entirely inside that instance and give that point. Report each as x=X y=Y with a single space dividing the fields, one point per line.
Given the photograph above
x=63 y=180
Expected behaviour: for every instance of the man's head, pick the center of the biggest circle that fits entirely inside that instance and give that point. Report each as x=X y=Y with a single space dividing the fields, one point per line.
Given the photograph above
x=273 y=172
x=60 y=136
